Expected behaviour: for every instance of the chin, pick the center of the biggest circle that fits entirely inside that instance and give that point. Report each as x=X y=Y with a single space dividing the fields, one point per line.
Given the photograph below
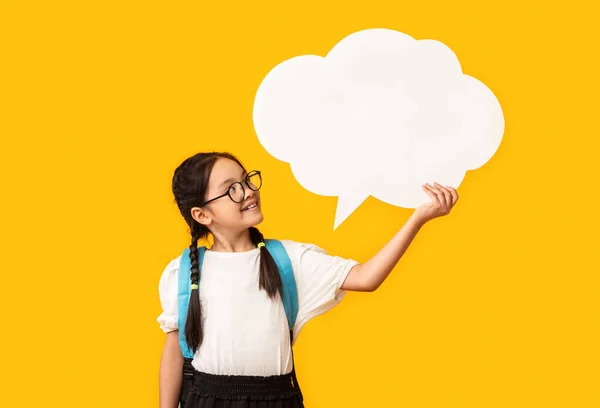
x=254 y=219
x=259 y=219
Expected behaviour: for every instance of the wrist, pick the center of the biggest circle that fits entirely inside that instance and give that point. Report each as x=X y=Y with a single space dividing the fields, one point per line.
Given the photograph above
x=416 y=220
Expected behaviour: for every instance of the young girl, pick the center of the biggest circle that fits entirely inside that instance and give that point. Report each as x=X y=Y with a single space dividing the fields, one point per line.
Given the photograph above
x=236 y=323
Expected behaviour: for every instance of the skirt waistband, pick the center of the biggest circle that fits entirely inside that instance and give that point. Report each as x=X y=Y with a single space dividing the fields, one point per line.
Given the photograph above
x=244 y=386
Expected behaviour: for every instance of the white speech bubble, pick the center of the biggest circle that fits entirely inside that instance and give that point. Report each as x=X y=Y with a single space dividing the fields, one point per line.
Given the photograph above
x=380 y=115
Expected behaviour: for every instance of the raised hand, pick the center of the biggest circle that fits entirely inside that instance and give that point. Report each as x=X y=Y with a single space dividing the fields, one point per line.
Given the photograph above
x=443 y=199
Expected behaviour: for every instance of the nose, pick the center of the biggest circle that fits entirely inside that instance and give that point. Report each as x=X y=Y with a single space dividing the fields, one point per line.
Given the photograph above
x=250 y=193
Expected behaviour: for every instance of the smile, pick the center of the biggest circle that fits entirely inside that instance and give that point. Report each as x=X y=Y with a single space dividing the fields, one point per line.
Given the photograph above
x=250 y=207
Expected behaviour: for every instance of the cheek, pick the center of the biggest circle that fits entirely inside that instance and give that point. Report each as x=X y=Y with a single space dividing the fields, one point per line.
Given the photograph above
x=227 y=212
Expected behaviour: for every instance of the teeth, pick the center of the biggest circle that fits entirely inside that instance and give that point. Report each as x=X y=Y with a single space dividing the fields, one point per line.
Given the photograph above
x=249 y=207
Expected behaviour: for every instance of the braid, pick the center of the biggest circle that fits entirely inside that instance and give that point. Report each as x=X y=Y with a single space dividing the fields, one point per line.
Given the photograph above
x=189 y=185
x=269 y=278
x=195 y=233
x=194 y=332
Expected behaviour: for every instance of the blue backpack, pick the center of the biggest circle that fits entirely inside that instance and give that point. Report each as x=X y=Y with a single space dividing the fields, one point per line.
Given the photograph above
x=289 y=298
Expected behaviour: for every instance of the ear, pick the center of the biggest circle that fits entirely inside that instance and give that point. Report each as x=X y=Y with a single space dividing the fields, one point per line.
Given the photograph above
x=201 y=215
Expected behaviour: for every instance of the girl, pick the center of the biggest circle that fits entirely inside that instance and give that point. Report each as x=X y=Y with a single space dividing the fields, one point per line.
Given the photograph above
x=236 y=323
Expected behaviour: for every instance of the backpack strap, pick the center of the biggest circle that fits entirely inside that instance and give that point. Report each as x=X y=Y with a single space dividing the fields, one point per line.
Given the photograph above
x=290 y=295
x=290 y=292
x=183 y=296
x=284 y=264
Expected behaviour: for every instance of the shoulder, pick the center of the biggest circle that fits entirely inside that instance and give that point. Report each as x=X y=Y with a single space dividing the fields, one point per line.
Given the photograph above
x=172 y=265
x=306 y=256
x=313 y=258
x=169 y=274
x=295 y=248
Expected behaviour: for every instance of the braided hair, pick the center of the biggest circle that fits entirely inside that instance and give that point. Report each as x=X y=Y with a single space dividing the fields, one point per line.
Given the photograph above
x=189 y=185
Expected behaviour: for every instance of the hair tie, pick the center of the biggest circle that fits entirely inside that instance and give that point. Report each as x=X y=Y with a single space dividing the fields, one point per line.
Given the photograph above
x=194 y=286
x=261 y=244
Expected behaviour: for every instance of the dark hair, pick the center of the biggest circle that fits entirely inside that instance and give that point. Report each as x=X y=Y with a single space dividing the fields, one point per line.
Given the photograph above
x=190 y=181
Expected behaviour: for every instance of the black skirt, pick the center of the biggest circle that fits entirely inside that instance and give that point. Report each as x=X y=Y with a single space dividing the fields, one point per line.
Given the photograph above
x=244 y=391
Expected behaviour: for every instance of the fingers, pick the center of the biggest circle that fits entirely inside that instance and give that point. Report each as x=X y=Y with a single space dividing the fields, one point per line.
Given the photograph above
x=454 y=194
x=440 y=195
x=450 y=194
x=446 y=192
x=434 y=198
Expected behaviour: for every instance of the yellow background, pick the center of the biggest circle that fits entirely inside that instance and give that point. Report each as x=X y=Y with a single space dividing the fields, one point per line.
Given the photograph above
x=495 y=305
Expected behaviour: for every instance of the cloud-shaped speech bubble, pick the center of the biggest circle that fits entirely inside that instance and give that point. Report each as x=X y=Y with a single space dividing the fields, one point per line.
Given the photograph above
x=380 y=115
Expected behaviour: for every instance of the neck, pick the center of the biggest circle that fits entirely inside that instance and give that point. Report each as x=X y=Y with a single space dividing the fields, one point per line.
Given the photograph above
x=232 y=242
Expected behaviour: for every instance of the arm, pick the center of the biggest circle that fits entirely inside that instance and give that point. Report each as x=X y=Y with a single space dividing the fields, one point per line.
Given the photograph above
x=369 y=276
x=171 y=366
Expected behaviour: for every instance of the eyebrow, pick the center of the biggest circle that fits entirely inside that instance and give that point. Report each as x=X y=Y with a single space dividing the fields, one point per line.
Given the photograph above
x=231 y=180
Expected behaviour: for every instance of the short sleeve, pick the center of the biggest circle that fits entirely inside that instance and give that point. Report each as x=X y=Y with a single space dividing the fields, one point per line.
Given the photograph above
x=319 y=277
x=167 y=291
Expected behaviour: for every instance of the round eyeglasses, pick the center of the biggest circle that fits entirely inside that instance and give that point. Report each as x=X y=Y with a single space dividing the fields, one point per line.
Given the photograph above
x=236 y=191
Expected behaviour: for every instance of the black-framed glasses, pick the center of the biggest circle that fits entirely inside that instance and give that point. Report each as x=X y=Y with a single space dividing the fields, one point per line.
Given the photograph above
x=237 y=192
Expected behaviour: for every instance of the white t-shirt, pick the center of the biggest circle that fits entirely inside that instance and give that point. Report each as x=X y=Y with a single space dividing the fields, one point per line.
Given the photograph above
x=246 y=332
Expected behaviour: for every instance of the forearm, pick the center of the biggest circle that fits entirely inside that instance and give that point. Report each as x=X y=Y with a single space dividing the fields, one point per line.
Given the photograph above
x=170 y=376
x=377 y=269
